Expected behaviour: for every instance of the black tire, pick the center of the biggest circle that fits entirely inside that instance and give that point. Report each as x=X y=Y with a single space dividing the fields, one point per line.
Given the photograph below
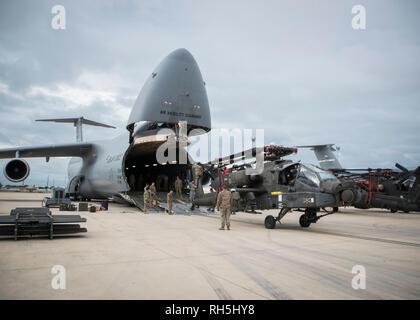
x=270 y=222
x=335 y=209
x=304 y=221
x=393 y=210
x=406 y=211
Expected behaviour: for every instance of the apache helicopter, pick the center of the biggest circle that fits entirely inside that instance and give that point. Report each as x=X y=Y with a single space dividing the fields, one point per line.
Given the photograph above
x=281 y=184
x=379 y=188
x=386 y=189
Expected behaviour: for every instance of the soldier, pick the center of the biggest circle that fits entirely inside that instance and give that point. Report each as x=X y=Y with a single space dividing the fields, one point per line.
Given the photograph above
x=178 y=187
x=169 y=199
x=291 y=175
x=146 y=197
x=192 y=195
x=153 y=194
x=224 y=201
x=198 y=173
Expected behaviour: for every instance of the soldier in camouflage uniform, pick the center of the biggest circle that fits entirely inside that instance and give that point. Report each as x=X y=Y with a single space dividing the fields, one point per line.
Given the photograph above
x=198 y=173
x=178 y=187
x=153 y=194
x=224 y=202
x=192 y=195
x=146 y=197
x=170 y=198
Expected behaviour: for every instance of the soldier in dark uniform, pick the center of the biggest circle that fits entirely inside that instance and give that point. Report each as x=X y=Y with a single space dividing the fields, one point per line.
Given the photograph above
x=291 y=175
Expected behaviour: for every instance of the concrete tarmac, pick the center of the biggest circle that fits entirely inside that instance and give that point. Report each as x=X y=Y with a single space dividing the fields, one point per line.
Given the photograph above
x=130 y=255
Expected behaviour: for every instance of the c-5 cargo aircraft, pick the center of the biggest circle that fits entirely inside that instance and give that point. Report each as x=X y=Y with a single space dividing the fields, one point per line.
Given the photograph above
x=174 y=93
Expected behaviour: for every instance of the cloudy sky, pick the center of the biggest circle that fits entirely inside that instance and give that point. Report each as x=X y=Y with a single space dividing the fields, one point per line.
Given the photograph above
x=295 y=68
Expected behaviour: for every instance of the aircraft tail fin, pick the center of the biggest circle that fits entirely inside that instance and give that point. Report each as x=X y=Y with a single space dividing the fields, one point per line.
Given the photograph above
x=78 y=122
x=326 y=158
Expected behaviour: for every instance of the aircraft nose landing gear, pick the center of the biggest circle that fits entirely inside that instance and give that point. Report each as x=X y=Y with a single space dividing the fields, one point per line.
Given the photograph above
x=270 y=221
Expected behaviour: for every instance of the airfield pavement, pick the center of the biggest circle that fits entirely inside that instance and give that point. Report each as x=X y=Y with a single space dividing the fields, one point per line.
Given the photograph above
x=129 y=255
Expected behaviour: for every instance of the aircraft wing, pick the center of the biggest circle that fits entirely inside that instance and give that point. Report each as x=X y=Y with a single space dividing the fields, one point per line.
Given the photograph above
x=59 y=150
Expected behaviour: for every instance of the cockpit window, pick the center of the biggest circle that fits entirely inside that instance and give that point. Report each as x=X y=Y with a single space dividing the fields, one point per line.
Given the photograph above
x=324 y=175
x=288 y=175
x=408 y=184
x=308 y=177
x=149 y=125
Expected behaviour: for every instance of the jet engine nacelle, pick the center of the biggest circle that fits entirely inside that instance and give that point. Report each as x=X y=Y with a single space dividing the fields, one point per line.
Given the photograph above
x=16 y=170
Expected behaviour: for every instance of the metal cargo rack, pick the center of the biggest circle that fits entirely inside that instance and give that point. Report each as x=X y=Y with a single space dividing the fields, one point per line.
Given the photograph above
x=39 y=221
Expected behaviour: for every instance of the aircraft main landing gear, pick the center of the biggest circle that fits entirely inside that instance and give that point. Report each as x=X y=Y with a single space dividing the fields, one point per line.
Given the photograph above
x=304 y=221
x=308 y=217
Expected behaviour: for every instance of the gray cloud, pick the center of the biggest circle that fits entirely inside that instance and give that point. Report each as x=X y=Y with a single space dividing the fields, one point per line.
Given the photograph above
x=295 y=68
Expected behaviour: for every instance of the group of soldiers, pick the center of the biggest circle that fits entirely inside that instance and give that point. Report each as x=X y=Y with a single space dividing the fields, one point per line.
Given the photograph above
x=150 y=196
x=223 y=203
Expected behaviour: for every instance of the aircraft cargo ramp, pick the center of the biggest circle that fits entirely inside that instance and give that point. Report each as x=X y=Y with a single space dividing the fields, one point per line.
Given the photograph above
x=178 y=207
x=39 y=221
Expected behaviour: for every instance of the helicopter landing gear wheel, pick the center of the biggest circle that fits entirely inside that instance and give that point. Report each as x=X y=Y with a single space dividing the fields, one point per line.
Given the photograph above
x=270 y=222
x=304 y=221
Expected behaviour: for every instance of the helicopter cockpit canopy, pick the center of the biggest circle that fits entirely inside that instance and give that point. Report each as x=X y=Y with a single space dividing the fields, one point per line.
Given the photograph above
x=305 y=175
x=312 y=176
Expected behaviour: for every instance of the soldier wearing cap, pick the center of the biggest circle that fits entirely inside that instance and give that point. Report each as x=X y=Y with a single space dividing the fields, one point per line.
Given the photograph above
x=224 y=202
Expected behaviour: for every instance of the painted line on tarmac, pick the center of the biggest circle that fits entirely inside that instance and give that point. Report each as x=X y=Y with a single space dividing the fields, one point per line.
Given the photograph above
x=344 y=235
